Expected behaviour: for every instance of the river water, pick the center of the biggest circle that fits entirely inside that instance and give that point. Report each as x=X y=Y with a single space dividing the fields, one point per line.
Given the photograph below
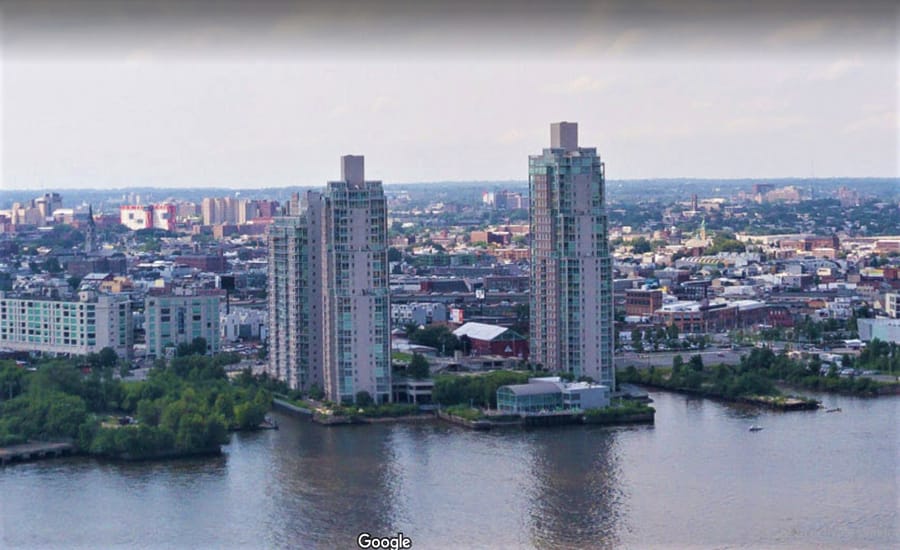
x=697 y=479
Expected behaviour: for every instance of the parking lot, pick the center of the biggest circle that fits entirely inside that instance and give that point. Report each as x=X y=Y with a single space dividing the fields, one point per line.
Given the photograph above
x=664 y=358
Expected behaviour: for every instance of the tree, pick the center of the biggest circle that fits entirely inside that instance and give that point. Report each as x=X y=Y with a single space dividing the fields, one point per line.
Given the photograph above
x=12 y=380
x=637 y=340
x=315 y=392
x=436 y=336
x=224 y=407
x=726 y=242
x=696 y=363
x=196 y=347
x=51 y=265
x=199 y=345
x=641 y=245
x=74 y=282
x=394 y=255
x=251 y=413
x=418 y=368
x=364 y=399
x=107 y=357
x=677 y=364
x=672 y=332
x=149 y=411
x=64 y=415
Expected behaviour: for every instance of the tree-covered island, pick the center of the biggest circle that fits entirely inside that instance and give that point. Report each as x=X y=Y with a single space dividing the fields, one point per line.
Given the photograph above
x=186 y=406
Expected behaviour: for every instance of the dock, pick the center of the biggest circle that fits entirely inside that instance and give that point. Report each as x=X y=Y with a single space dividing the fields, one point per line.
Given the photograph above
x=35 y=450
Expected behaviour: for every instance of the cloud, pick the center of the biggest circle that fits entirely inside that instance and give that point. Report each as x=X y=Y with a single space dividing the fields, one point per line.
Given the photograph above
x=380 y=104
x=801 y=32
x=582 y=84
x=656 y=131
x=883 y=120
x=340 y=110
x=626 y=42
x=761 y=123
x=764 y=103
x=836 y=69
x=513 y=136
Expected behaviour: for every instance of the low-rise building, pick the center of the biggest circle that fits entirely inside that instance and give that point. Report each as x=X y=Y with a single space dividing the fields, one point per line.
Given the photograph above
x=180 y=316
x=410 y=390
x=550 y=394
x=493 y=340
x=892 y=304
x=244 y=324
x=77 y=327
x=418 y=313
x=136 y=217
x=640 y=302
x=886 y=330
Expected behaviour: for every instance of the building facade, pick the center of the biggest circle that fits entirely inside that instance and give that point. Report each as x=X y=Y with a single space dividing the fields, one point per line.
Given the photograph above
x=418 y=313
x=571 y=269
x=178 y=317
x=884 y=329
x=295 y=301
x=892 y=304
x=137 y=217
x=76 y=327
x=329 y=296
x=642 y=302
x=547 y=394
x=485 y=339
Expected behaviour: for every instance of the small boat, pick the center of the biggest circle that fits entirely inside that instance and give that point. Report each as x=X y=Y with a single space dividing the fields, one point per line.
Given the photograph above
x=755 y=428
x=268 y=423
x=834 y=410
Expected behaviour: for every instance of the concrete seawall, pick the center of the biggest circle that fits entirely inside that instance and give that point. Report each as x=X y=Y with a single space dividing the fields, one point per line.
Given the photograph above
x=35 y=450
x=290 y=408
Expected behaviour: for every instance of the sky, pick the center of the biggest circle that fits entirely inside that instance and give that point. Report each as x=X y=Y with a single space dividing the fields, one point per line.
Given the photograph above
x=262 y=94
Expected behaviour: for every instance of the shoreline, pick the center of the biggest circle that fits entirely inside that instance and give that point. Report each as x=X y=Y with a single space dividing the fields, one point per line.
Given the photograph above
x=778 y=403
x=37 y=450
x=482 y=424
x=534 y=421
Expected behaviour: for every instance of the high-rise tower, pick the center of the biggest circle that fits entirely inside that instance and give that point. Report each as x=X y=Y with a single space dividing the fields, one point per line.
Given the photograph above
x=357 y=299
x=571 y=269
x=328 y=290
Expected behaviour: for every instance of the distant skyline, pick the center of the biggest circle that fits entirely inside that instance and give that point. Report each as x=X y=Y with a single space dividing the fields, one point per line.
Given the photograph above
x=268 y=94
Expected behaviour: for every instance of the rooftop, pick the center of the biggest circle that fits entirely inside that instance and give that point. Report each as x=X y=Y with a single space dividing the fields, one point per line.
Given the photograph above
x=479 y=331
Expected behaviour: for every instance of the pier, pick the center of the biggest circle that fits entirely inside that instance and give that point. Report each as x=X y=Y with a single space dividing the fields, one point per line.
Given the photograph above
x=34 y=450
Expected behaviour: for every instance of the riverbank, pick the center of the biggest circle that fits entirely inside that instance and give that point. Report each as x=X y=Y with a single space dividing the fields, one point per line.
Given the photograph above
x=325 y=419
x=758 y=374
x=636 y=413
x=35 y=450
x=40 y=450
x=629 y=413
x=783 y=403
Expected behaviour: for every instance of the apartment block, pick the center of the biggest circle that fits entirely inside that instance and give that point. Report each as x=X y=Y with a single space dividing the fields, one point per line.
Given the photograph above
x=329 y=302
x=179 y=316
x=77 y=327
x=571 y=269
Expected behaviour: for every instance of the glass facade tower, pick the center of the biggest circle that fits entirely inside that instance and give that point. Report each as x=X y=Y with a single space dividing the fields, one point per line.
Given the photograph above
x=329 y=301
x=571 y=269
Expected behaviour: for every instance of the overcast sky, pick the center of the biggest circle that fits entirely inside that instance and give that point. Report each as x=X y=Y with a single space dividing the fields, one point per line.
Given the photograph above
x=272 y=93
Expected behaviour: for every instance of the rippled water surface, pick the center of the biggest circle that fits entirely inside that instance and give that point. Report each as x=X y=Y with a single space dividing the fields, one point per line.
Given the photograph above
x=697 y=478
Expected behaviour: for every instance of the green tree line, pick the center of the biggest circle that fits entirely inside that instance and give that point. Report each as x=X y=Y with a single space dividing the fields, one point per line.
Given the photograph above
x=757 y=373
x=184 y=407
